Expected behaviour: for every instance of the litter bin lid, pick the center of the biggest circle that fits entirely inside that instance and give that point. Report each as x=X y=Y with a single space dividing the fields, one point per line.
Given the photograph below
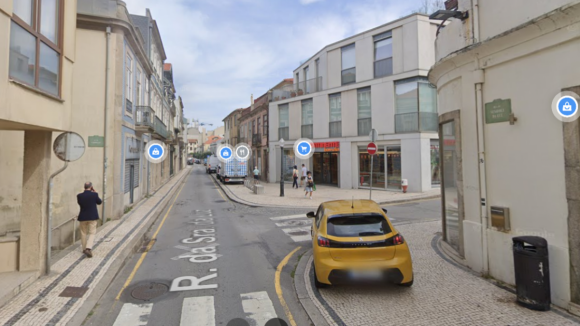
x=537 y=242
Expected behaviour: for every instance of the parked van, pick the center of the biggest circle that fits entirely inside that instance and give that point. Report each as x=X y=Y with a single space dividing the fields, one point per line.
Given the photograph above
x=233 y=171
x=212 y=164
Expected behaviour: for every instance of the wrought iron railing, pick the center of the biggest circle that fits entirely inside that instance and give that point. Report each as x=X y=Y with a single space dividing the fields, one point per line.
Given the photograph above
x=256 y=139
x=161 y=128
x=144 y=116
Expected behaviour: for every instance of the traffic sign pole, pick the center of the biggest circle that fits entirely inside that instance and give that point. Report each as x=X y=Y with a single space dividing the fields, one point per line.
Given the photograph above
x=371 y=149
x=371 y=189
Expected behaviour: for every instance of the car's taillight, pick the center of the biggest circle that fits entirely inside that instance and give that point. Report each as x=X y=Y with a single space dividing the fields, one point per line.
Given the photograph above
x=398 y=239
x=323 y=242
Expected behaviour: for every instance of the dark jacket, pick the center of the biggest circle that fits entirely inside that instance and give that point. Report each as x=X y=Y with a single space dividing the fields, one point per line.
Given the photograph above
x=88 y=202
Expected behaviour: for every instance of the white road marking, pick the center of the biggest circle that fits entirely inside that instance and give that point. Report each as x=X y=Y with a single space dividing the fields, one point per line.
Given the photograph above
x=294 y=223
x=299 y=238
x=259 y=307
x=289 y=217
x=134 y=314
x=198 y=311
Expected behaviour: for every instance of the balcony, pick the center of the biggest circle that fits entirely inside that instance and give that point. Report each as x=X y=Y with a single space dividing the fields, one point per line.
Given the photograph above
x=301 y=88
x=160 y=130
x=243 y=140
x=257 y=140
x=144 y=122
x=416 y=122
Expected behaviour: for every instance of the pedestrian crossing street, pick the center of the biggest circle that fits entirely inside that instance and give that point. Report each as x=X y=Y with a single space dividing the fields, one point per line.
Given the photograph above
x=200 y=311
x=297 y=227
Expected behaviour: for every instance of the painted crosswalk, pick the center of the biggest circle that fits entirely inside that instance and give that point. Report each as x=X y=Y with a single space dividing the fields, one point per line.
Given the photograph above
x=297 y=227
x=201 y=311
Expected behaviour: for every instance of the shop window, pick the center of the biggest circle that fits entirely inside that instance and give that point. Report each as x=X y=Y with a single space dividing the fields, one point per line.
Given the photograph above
x=378 y=168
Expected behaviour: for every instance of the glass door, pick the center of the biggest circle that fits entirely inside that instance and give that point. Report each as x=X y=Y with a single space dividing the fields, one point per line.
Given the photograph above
x=449 y=167
x=334 y=168
x=394 y=167
x=317 y=169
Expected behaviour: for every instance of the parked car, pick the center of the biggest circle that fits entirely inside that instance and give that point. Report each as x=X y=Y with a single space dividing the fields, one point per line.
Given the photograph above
x=197 y=161
x=353 y=241
x=190 y=161
x=212 y=164
x=233 y=170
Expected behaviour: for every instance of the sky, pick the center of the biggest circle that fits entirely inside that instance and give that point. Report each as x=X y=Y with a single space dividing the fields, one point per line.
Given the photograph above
x=223 y=51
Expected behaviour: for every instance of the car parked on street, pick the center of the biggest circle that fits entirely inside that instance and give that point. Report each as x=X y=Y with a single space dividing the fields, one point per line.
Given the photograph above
x=190 y=161
x=353 y=241
x=212 y=164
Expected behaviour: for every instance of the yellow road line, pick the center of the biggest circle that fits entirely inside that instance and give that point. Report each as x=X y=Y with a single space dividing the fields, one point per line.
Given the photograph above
x=153 y=239
x=279 y=288
x=218 y=188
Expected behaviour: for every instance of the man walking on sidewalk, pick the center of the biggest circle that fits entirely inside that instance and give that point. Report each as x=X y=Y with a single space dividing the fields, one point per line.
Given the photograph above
x=303 y=177
x=88 y=216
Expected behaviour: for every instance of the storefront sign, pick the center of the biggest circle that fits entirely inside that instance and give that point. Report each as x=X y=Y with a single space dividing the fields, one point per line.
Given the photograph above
x=327 y=147
x=96 y=141
x=133 y=148
x=498 y=111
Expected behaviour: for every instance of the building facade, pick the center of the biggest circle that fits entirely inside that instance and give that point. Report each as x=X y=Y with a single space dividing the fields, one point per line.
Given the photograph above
x=36 y=105
x=374 y=80
x=515 y=59
x=231 y=123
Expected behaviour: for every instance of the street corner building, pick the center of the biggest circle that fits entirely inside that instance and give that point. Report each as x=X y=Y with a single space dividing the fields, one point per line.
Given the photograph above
x=92 y=68
x=509 y=166
x=374 y=80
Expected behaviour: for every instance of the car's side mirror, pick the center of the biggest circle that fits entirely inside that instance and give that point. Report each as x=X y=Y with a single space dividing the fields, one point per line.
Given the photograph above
x=385 y=210
x=310 y=215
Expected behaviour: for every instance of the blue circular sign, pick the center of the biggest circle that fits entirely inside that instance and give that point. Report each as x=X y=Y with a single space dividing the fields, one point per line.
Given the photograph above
x=226 y=153
x=304 y=148
x=567 y=106
x=156 y=151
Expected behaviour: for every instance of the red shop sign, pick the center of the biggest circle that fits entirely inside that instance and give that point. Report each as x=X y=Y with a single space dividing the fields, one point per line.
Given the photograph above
x=326 y=145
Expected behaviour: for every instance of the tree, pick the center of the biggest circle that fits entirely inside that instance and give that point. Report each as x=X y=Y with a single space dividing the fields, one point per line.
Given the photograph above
x=430 y=6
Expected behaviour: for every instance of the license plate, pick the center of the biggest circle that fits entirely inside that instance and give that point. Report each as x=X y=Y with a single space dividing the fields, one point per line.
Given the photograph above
x=368 y=275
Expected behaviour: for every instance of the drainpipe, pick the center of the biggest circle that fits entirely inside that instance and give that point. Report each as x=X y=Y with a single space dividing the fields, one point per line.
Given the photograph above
x=49 y=222
x=105 y=157
x=479 y=78
x=475 y=21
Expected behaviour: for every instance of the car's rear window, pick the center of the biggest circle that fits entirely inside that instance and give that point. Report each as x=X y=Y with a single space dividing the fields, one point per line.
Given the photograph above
x=357 y=226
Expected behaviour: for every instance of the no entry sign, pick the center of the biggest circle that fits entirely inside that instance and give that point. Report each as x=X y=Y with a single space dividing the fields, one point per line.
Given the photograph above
x=372 y=148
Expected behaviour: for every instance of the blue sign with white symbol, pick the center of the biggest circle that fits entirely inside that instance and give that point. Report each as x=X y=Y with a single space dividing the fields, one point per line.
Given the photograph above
x=567 y=106
x=156 y=151
x=226 y=153
x=304 y=148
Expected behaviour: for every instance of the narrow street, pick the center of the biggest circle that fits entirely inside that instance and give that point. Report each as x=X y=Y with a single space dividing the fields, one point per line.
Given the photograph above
x=237 y=281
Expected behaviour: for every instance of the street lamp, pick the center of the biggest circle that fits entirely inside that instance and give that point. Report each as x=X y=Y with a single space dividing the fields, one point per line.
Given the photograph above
x=281 y=167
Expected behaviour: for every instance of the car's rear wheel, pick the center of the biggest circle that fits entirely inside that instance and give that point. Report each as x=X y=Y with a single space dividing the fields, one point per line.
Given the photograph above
x=317 y=284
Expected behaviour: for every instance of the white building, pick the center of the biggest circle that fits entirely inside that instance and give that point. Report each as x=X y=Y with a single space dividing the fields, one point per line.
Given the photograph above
x=376 y=79
x=523 y=53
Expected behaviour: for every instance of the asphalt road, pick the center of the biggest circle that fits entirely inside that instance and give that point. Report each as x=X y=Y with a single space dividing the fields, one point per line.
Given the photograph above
x=226 y=255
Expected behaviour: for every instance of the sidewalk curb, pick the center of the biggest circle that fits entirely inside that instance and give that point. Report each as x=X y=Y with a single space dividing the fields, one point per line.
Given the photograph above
x=134 y=245
x=238 y=200
x=300 y=285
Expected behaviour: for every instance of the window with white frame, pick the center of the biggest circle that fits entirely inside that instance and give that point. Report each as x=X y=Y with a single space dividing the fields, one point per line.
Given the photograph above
x=129 y=78
x=307 y=118
x=284 y=125
x=364 y=111
x=138 y=99
x=335 y=115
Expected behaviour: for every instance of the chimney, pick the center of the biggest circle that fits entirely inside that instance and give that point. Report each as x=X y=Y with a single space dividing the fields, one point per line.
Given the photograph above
x=252 y=102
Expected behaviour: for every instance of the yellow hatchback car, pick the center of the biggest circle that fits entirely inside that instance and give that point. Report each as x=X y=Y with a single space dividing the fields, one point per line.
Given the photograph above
x=353 y=241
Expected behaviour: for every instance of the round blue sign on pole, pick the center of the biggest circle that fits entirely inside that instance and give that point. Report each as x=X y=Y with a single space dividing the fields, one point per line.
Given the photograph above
x=567 y=106
x=304 y=148
x=155 y=151
x=225 y=153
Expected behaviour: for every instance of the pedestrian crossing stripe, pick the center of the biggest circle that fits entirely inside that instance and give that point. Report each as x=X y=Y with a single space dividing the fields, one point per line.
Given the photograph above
x=289 y=217
x=294 y=223
x=134 y=314
x=200 y=311
x=299 y=234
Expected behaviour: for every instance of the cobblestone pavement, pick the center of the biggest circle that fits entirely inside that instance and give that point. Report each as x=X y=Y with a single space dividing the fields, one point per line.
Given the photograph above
x=295 y=197
x=442 y=294
x=40 y=303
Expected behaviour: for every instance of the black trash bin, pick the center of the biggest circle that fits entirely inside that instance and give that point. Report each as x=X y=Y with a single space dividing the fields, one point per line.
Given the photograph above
x=532 y=271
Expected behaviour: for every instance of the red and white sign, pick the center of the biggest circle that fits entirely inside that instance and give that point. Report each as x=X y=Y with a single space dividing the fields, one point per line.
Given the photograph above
x=372 y=148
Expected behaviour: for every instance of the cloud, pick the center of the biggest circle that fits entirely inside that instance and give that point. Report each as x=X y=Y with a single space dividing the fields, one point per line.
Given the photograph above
x=307 y=2
x=224 y=50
